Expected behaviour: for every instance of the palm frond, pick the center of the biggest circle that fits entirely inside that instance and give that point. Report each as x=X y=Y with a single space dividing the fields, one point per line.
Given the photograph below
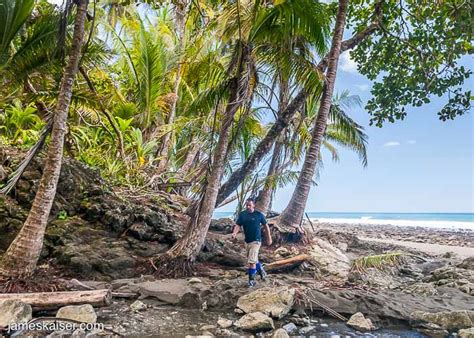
x=379 y=262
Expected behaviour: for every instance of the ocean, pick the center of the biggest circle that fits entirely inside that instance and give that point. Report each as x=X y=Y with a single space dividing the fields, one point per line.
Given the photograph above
x=431 y=220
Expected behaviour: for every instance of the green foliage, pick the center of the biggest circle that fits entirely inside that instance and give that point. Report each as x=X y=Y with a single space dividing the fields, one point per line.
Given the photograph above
x=13 y=14
x=379 y=262
x=62 y=215
x=20 y=124
x=415 y=56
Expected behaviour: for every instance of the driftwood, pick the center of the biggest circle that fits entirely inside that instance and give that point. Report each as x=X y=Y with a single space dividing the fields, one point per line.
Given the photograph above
x=55 y=300
x=286 y=264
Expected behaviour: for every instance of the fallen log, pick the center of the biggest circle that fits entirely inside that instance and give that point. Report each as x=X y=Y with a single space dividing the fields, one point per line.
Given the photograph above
x=287 y=264
x=55 y=300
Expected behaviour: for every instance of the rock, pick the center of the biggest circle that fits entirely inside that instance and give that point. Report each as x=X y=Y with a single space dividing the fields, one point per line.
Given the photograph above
x=290 y=328
x=275 y=302
x=432 y=330
x=225 y=323
x=323 y=325
x=194 y=280
x=425 y=289
x=170 y=291
x=138 y=306
x=222 y=225
x=466 y=333
x=467 y=264
x=81 y=313
x=280 y=333
x=360 y=323
x=239 y=311
x=448 y=320
x=282 y=251
x=14 y=311
x=208 y=327
x=307 y=329
x=255 y=321
x=330 y=259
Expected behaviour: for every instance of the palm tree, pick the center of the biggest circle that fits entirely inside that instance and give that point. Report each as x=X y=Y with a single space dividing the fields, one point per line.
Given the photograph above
x=250 y=26
x=293 y=213
x=22 y=256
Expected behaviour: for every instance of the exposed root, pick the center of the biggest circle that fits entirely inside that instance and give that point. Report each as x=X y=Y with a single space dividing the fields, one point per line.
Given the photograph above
x=306 y=298
x=173 y=267
x=40 y=281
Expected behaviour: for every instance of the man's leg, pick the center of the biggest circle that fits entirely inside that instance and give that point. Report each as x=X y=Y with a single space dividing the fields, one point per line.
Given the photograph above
x=261 y=271
x=252 y=258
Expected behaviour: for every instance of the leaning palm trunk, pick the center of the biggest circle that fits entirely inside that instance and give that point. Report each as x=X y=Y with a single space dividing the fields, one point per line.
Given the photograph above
x=181 y=10
x=179 y=259
x=265 y=196
x=293 y=213
x=23 y=254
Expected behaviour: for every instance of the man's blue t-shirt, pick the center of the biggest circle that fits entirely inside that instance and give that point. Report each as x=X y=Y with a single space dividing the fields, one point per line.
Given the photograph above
x=251 y=222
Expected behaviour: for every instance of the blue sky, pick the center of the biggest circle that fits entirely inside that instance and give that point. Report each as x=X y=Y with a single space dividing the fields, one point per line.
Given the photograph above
x=420 y=164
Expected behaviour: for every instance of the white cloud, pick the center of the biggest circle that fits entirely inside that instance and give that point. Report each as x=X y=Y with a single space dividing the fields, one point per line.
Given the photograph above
x=363 y=87
x=411 y=142
x=347 y=64
x=392 y=144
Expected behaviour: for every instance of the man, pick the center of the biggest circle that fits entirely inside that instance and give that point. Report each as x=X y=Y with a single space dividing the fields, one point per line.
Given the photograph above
x=251 y=220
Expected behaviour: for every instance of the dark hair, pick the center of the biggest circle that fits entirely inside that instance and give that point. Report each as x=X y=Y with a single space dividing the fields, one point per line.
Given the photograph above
x=251 y=199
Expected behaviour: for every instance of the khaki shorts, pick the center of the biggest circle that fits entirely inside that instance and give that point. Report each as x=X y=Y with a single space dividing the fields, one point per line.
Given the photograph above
x=252 y=252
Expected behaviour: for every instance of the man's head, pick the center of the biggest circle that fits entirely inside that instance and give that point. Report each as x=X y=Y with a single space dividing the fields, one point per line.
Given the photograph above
x=250 y=205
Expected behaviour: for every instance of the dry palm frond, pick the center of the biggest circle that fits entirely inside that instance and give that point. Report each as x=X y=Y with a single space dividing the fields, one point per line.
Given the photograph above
x=379 y=262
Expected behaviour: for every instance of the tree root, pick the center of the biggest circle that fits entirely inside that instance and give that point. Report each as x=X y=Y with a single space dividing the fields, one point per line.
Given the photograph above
x=166 y=266
x=40 y=281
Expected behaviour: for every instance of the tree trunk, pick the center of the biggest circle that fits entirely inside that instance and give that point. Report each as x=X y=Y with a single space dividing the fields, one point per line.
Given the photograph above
x=262 y=148
x=181 y=10
x=293 y=213
x=23 y=254
x=265 y=196
x=179 y=259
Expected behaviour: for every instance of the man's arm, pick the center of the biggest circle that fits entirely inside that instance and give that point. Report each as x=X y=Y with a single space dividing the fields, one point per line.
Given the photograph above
x=235 y=231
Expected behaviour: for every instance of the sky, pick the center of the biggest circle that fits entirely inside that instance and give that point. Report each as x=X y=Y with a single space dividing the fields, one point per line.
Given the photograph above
x=420 y=164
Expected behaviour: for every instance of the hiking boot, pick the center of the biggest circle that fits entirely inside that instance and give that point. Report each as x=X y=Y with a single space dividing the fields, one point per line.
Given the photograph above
x=251 y=283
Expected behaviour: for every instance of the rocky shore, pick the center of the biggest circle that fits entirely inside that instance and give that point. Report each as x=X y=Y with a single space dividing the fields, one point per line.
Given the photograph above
x=345 y=285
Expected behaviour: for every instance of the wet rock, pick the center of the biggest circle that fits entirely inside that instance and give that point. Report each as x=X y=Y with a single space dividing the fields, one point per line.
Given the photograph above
x=280 y=333
x=330 y=259
x=307 y=329
x=466 y=333
x=225 y=323
x=290 y=328
x=276 y=302
x=138 y=306
x=81 y=313
x=14 y=311
x=448 y=320
x=432 y=330
x=359 y=322
x=255 y=321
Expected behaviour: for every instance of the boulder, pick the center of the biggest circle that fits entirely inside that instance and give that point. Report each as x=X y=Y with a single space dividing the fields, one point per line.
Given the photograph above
x=330 y=259
x=255 y=321
x=467 y=264
x=280 y=333
x=14 y=312
x=360 y=323
x=432 y=330
x=275 y=302
x=222 y=225
x=448 y=320
x=170 y=291
x=466 y=333
x=225 y=323
x=290 y=328
x=81 y=313
x=138 y=306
